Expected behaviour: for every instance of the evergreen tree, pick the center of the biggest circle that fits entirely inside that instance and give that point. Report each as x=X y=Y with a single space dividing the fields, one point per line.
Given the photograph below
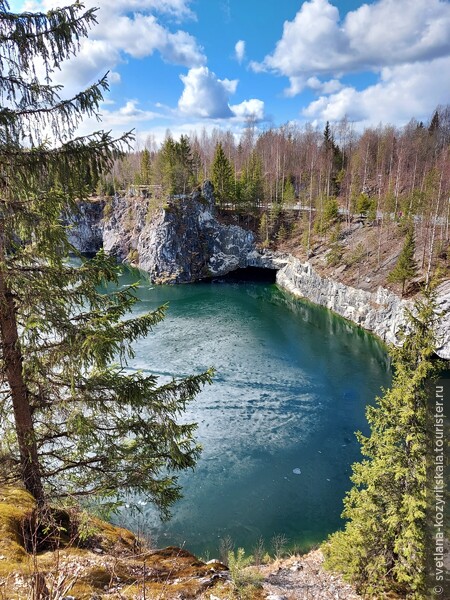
x=251 y=183
x=384 y=545
x=405 y=268
x=264 y=229
x=222 y=176
x=185 y=165
x=363 y=204
x=331 y=210
x=434 y=123
x=73 y=419
x=166 y=166
x=289 y=193
x=145 y=167
x=328 y=137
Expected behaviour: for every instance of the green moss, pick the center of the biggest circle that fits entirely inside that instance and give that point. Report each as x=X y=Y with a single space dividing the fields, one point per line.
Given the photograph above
x=16 y=506
x=119 y=566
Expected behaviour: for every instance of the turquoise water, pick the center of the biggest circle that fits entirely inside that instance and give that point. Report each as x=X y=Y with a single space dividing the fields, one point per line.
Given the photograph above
x=277 y=427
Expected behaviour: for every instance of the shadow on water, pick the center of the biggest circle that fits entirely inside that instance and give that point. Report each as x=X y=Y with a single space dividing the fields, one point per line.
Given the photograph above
x=245 y=275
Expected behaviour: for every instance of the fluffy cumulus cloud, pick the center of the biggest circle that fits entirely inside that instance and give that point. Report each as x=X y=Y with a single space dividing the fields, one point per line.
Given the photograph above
x=128 y=114
x=128 y=28
x=239 y=50
x=404 y=42
x=253 y=108
x=385 y=33
x=207 y=96
x=403 y=91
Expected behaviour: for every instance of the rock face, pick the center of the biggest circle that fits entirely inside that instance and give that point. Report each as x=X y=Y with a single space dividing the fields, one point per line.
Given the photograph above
x=443 y=330
x=381 y=312
x=184 y=242
x=124 y=220
x=86 y=231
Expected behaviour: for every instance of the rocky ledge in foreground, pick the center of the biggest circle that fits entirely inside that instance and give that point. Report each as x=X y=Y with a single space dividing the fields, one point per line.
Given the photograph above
x=90 y=559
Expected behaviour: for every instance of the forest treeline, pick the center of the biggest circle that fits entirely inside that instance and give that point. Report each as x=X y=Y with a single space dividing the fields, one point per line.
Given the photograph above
x=307 y=185
x=401 y=170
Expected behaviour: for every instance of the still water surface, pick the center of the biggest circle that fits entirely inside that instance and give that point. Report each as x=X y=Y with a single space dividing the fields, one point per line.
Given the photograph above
x=277 y=427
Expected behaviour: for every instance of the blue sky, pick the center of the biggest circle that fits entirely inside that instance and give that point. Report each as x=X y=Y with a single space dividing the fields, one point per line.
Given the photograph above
x=189 y=64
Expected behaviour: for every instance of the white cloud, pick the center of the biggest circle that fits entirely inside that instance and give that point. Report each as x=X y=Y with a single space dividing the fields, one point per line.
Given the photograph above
x=178 y=9
x=189 y=128
x=385 y=33
x=298 y=84
x=126 y=117
x=324 y=87
x=402 y=92
x=120 y=33
x=114 y=77
x=205 y=95
x=239 y=49
x=249 y=108
x=127 y=114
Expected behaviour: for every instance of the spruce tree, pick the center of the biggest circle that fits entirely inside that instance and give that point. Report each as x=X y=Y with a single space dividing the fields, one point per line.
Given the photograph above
x=145 y=167
x=405 y=268
x=73 y=419
x=185 y=169
x=383 y=548
x=252 y=182
x=222 y=176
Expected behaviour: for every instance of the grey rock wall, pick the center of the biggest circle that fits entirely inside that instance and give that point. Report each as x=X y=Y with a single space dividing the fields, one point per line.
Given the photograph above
x=381 y=312
x=85 y=227
x=443 y=331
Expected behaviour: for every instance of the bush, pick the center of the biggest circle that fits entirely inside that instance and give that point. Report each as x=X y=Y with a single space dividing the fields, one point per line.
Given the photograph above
x=241 y=572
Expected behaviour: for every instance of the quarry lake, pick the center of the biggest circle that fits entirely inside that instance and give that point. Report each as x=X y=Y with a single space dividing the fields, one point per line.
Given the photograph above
x=277 y=426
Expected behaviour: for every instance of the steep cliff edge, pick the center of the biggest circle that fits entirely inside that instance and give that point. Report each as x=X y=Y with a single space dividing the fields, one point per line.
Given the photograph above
x=183 y=241
x=180 y=242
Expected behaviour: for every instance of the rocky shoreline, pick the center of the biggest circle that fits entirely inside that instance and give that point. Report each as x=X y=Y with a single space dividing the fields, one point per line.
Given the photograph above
x=184 y=242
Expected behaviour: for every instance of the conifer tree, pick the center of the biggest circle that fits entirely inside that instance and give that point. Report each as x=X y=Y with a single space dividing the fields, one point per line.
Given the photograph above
x=145 y=167
x=383 y=548
x=185 y=162
x=222 y=176
x=405 y=268
x=289 y=193
x=73 y=419
x=251 y=182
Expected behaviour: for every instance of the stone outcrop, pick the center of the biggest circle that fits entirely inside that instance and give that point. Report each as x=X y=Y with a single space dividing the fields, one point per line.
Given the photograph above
x=381 y=312
x=184 y=242
x=124 y=219
x=443 y=330
x=86 y=228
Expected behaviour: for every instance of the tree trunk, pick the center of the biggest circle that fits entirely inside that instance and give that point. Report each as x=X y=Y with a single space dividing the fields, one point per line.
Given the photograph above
x=13 y=360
